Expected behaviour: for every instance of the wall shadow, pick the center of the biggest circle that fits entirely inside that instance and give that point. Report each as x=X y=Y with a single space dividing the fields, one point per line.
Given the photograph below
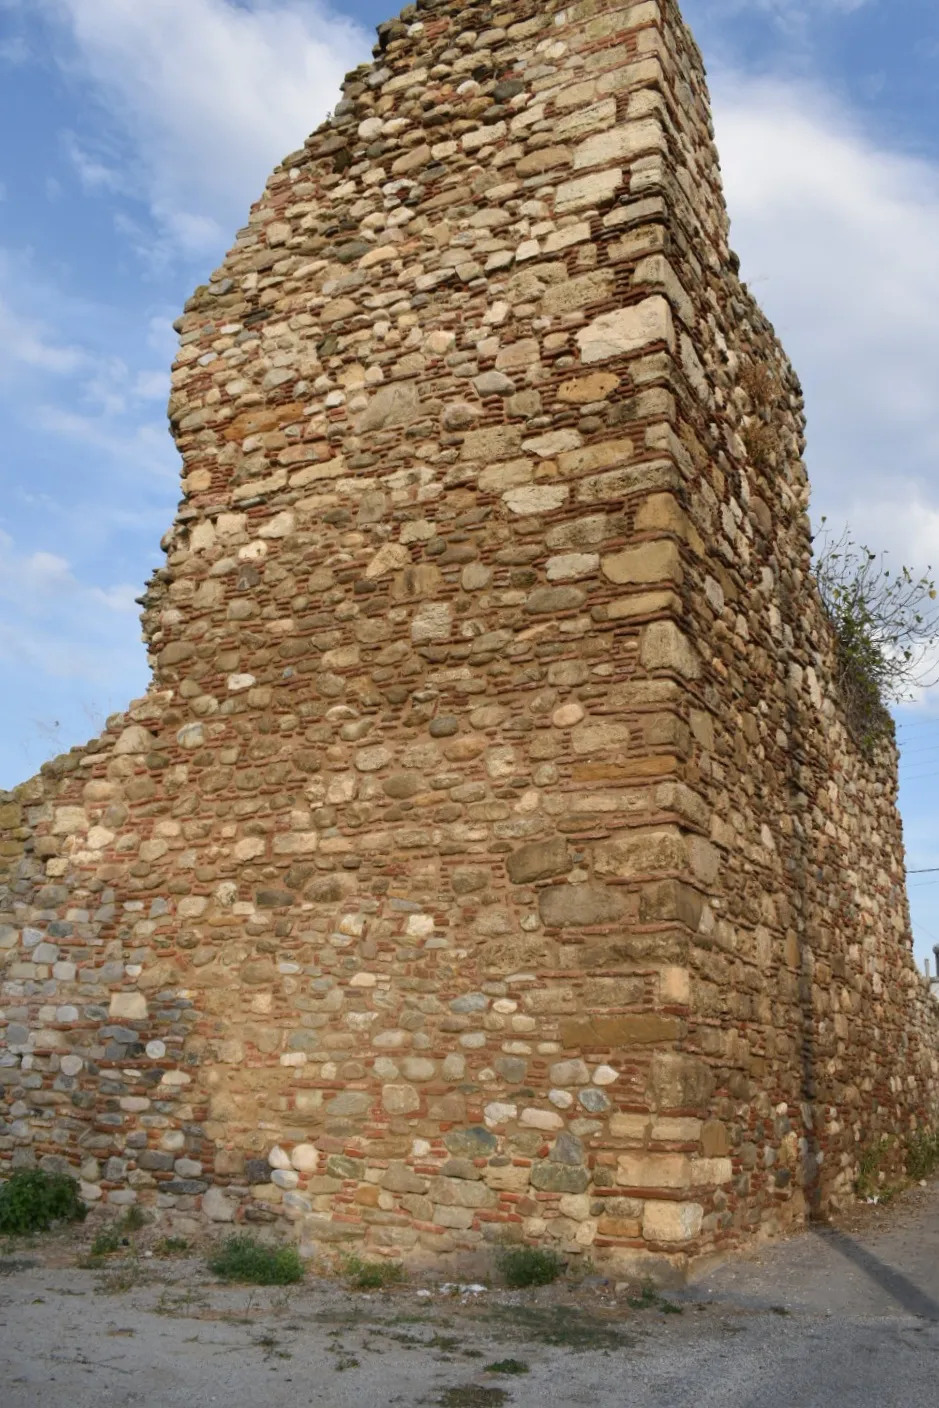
x=899 y=1287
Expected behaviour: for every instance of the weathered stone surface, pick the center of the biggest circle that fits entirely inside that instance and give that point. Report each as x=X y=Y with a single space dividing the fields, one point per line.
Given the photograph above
x=671 y=1222
x=471 y=1143
x=652 y=562
x=539 y=861
x=129 y=1006
x=627 y=330
x=653 y=1170
x=637 y=1029
x=582 y=906
x=549 y=1177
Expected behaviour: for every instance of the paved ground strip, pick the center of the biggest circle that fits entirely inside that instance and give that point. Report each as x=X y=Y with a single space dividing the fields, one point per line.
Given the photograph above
x=831 y=1317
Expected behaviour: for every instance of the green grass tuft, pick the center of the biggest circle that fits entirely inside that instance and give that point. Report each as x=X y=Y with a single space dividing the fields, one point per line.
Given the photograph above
x=133 y=1219
x=171 y=1246
x=529 y=1266
x=107 y=1241
x=30 y=1201
x=241 y=1258
x=508 y=1366
x=922 y=1155
x=372 y=1275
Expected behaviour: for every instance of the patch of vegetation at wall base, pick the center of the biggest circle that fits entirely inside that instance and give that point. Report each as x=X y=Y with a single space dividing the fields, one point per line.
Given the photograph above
x=372 y=1275
x=922 y=1155
x=529 y=1266
x=31 y=1201
x=242 y=1258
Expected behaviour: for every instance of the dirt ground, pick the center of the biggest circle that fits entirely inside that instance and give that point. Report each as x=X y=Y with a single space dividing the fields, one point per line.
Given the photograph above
x=831 y=1317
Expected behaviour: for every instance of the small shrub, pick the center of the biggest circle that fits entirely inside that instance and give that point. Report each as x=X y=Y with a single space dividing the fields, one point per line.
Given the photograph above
x=922 y=1155
x=133 y=1219
x=107 y=1241
x=30 y=1201
x=529 y=1266
x=508 y=1366
x=241 y=1258
x=885 y=624
x=171 y=1246
x=372 y=1275
x=867 y=1184
x=124 y=1276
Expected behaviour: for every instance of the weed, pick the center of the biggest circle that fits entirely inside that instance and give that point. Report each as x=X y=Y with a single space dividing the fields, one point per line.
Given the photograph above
x=922 y=1155
x=183 y=1303
x=529 y=1266
x=272 y=1347
x=241 y=1258
x=372 y=1275
x=508 y=1366
x=870 y=1185
x=471 y=1396
x=10 y=1265
x=107 y=1241
x=563 y=1326
x=133 y=1219
x=124 y=1277
x=171 y=1246
x=649 y=1299
x=30 y=1201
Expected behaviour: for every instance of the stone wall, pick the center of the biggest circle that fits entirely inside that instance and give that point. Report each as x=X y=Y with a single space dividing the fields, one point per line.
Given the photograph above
x=489 y=858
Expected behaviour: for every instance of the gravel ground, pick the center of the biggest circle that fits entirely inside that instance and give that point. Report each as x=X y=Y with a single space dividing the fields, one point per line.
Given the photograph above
x=834 y=1317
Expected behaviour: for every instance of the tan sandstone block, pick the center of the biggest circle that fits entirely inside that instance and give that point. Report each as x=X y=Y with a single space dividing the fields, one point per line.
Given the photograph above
x=714 y=1139
x=631 y=853
x=544 y=159
x=664 y=647
x=711 y=1172
x=494 y=442
x=582 y=390
x=626 y=608
x=631 y=1029
x=130 y=1006
x=620 y=143
x=587 y=191
x=675 y=986
x=671 y=1222
x=662 y=513
x=643 y=1170
x=595 y=287
x=627 y=330
x=650 y=562
x=656 y=270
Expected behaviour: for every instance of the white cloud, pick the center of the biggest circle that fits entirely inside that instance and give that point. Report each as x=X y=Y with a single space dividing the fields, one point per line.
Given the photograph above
x=93 y=174
x=792 y=16
x=141 y=446
x=27 y=342
x=838 y=236
x=14 y=51
x=58 y=624
x=210 y=94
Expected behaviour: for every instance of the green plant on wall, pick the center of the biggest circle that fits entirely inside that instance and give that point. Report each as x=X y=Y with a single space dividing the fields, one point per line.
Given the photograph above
x=886 y=625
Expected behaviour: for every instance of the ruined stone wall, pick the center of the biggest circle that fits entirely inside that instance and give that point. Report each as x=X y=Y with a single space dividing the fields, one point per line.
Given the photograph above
x=489 y=858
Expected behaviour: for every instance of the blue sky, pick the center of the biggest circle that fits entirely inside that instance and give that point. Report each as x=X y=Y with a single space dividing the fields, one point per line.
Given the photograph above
x=135 y=133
